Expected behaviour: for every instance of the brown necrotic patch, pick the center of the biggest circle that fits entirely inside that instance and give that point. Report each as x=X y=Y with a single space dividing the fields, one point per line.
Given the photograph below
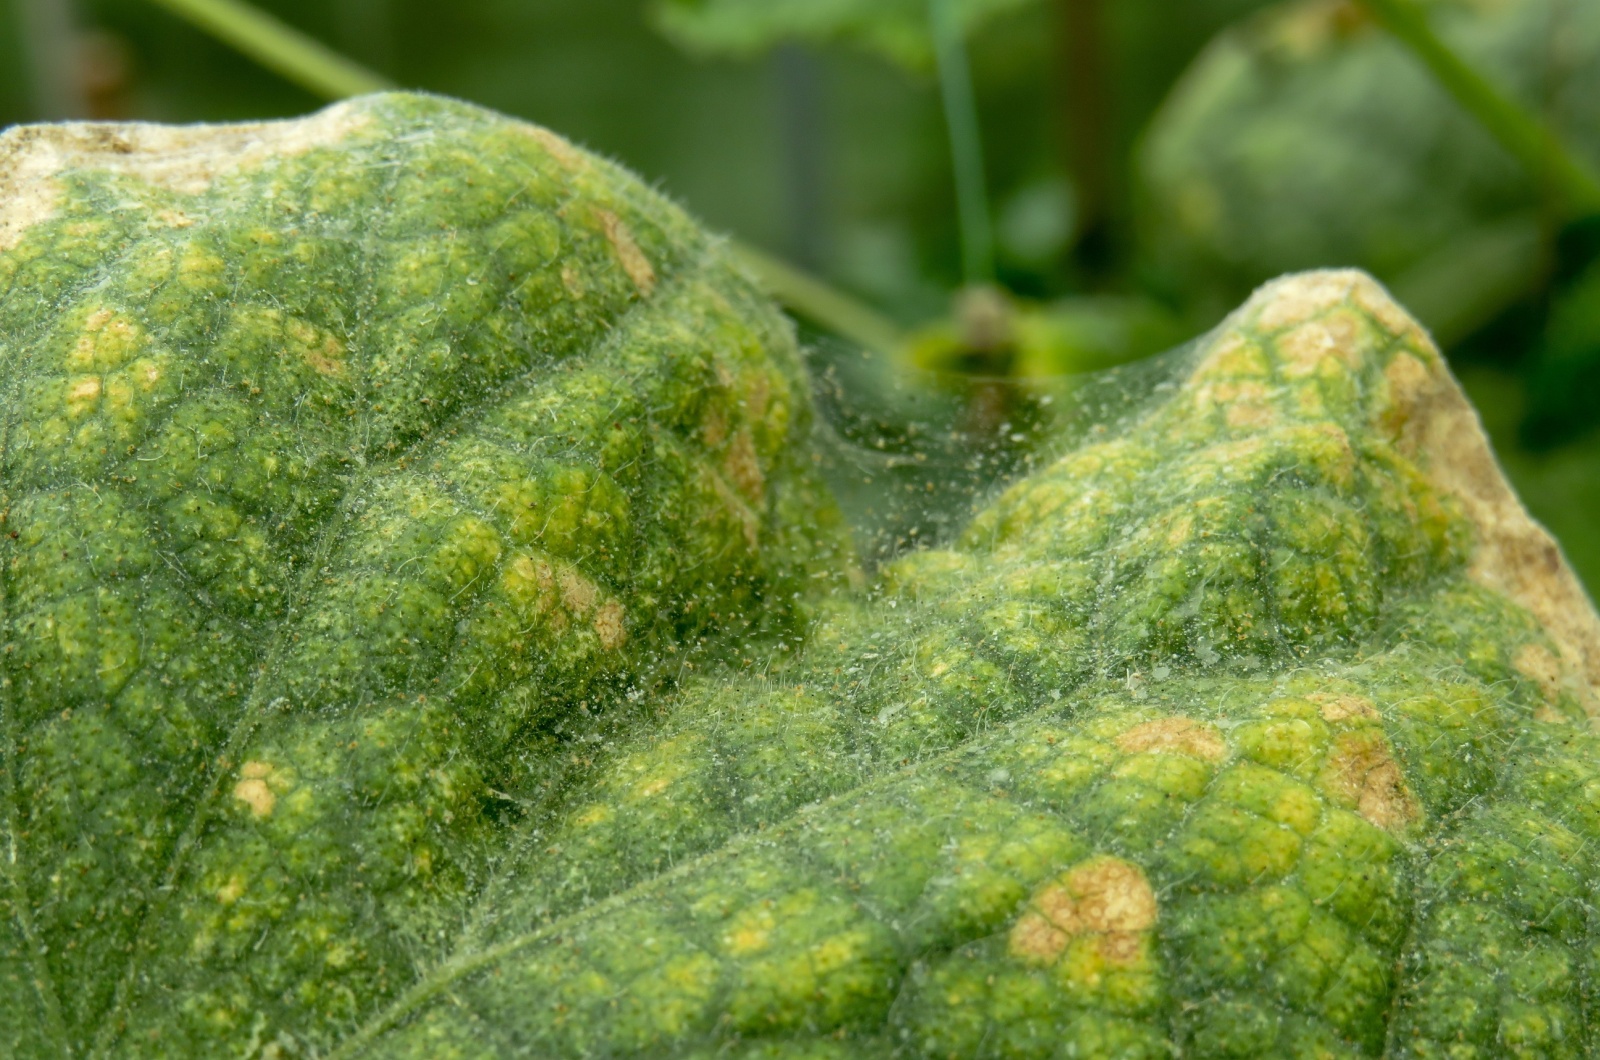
x=609 y=623
x=1362 y=774
x=1104 y=898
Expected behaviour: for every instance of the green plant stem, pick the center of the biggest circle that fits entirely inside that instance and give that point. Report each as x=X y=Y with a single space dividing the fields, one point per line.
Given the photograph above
x=809 y=297
x=1520 y=132
x=966 y=145
x=286 y=51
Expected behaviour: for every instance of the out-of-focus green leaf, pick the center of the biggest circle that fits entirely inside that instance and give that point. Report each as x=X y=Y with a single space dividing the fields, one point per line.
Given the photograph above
x=897 y=29
x=1307 y=136
x=1560 y=484
x=1567 y=180
x=1458 y=287
x=1566 y=371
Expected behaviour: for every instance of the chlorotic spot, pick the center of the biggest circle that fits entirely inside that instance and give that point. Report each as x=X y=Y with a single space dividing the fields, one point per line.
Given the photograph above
x=1105 y=897
x=1337 y=707
x=253 y=790
x=633 y=260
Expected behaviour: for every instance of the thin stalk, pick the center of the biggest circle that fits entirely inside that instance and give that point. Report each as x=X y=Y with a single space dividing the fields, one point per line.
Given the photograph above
x=802 y=127
x=1521 y=133
x=806 y=296
x=280 y=48
x=966 y=145
x=1083 y=99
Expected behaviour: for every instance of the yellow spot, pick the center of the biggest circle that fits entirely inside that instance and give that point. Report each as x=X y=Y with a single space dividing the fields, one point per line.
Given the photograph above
x=252 y=789
x=83 y=393
x=751 y=930
x=1407 y=380
x=569 y=157
x=231 y=891
x=1232 y=355
x=738 y=508
x=147 y=374
x=572 y=280
x=1325 y=448
x=1181 y=531
x=531 y=585
x=175 y=219
x=1363 y=774
x=1336 y=707
x=1296 y=299
x=1368 y=296
x=1245 y=401
x=108 y=340
x=323 y=352
x=610 y=625
x=747 y=940
x=634 y=263
x=1175 y=736
x=1250 y=415
x=653 y=787
x=1331 y=344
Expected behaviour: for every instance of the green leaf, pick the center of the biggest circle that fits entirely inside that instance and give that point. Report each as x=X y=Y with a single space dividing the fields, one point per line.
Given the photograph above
x=354 y=463
x=1307 y=136
x=895 y=29
x=1566 y=366
x=424 y=635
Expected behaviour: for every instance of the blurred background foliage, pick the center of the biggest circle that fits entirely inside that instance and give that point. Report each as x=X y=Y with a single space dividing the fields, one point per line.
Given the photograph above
x=1144 y=164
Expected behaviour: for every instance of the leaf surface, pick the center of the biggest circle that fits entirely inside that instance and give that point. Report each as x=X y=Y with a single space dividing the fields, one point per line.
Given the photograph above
x=424 y=636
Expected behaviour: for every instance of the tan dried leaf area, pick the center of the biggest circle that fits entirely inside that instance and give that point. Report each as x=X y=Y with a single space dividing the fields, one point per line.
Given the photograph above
x=1433 y=423
x=183 y=158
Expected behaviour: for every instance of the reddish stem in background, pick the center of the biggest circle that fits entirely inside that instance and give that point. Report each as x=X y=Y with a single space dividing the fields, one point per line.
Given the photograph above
x=1084 y=107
